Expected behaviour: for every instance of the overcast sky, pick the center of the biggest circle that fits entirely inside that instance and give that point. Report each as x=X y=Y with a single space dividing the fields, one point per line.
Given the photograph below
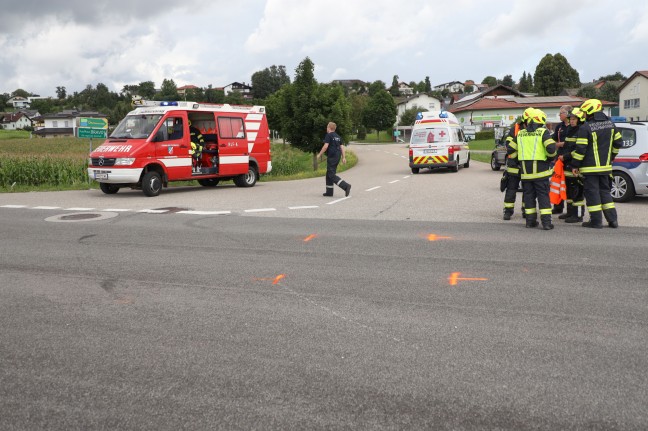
x=73 y=43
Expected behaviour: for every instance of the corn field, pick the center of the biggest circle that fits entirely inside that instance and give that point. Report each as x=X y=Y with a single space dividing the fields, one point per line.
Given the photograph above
x=48 y=170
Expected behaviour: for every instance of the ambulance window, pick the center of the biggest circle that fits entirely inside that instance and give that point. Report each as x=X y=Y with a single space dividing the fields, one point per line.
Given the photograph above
x=230 y=127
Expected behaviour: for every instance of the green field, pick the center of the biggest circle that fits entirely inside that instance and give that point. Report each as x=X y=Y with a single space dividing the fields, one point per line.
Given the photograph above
x=61 y=164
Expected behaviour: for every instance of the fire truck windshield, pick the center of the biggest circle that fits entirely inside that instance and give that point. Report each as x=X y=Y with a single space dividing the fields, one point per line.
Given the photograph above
x=136 y=127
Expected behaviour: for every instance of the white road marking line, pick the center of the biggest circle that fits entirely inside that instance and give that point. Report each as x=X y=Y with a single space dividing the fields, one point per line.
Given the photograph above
x=406 y=176
x=78 y=209
x=338 y=200
x=305 y=207
x=259 y=210
x=373 y=188
x=205 y=212
x=395 y=181
x=14 y=206
x=45 y=208
x=117 y=210
x=396 y=154
x=147 y=211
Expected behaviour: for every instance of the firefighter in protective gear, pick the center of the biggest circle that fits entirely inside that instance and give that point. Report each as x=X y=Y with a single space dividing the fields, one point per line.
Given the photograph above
x=575 y=200
x=197 y=144
x=512 y=168
x=334 y=148
x=534 y=149
x=597 y=144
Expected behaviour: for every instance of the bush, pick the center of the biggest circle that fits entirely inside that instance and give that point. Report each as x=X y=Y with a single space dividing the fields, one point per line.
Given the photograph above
x=485 y=134
x=362 y=132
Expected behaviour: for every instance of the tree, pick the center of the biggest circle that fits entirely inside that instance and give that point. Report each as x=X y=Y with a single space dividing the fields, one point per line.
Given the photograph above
x=375 y=87
x=235 y=98
x=553 y=74
x=60 y=92
x=169 y=90
x=508 y=81
x=609 y=92
x=393 y=90
x=587 y=91
x=147 y=90
x=20 y=93
x=409 y=115
x=525 y=84
x=380 y=113
x=618 y=76
x=428 y=85
x=358 y=104
x=268 y=81
x=491 y=81
x=213 y=95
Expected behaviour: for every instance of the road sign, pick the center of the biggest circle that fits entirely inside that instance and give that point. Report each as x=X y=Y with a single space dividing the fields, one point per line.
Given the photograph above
x=95 y=123
x=88 y=132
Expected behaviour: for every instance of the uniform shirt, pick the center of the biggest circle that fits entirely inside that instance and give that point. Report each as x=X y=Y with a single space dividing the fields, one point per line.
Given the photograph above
x=559 y=135
x=597 y=145
x=334 y=143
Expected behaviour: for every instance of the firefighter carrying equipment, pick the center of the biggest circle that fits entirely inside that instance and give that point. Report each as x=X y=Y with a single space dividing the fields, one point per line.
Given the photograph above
x=557 y=185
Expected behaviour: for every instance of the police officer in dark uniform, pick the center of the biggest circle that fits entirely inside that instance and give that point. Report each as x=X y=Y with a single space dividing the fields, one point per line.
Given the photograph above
x=334 y=148
x=534 y=149
x=597 y=145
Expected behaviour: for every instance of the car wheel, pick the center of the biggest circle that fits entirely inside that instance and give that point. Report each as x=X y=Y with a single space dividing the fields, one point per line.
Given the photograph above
x=467 y=164
x=109 y=189
x=494 y=165
x=622 y=189
x=151 y=183
x=247 y=180
x=415 y=170
x=209 y=182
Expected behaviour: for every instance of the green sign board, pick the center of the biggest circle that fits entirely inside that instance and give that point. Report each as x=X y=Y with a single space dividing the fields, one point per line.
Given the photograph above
x=88 y=132
x=95 y=123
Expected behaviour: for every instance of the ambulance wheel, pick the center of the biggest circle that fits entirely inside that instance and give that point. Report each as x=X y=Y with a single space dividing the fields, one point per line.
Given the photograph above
x=467 y=164
x=151 y=183
x=247 y=180
x=109 y=189
x=415 y=170
x=455 y=168
x=209 y=182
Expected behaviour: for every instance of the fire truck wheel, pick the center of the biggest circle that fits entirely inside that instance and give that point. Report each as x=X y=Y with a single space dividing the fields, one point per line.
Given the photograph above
x=109 y=189
x=247 y=180
x=151 y=183
x=209 y=182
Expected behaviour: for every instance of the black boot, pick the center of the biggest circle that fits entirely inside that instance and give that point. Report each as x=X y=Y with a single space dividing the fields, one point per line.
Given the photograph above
x=574 y=215
x=611 y=217
x=346 y=187
x=328 y=192
x=546 y=222
x=570 y=209
x=596 y=220
x=507 y=214
x=531 y=220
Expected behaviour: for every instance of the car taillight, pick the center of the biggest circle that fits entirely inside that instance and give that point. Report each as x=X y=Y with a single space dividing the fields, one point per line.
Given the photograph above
x=451 y=150
x=644 y=157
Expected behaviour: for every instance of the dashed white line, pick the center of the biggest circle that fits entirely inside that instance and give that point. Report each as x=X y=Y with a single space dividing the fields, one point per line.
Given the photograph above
x=259 y=210
x=78 y=209
x=395 y=181
x=303 y=207
x=45 y=208
x=148 y=211
x=117 y=210
x=406 y=176
x=337 y=200
x=14 y=206
x=373 y=188
x=205 y=212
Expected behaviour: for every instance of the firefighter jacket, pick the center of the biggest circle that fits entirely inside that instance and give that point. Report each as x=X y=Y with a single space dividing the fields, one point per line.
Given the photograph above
x=534 y=149
x=511 y=162
x=597 y=144
x=570 y=145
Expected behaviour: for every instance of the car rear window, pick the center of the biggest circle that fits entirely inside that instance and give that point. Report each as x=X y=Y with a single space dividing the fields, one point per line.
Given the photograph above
x=629 y=137
x=431 y=135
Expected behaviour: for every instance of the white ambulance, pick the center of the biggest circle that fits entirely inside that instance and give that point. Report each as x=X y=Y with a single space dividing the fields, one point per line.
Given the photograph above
x=152 y=146
x=438 y=141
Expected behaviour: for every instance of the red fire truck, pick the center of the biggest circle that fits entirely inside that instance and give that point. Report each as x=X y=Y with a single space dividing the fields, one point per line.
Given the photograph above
x=152 y=146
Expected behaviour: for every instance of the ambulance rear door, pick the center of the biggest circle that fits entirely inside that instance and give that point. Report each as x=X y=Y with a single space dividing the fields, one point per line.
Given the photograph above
x=429 y=143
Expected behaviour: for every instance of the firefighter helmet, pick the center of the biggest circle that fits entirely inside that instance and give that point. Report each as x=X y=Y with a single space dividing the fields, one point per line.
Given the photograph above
x=539 y=117
x=576 y=112
x=528 y=113
x=591 y=106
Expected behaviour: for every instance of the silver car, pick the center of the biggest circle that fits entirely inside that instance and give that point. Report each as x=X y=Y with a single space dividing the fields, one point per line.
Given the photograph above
x=630 y=167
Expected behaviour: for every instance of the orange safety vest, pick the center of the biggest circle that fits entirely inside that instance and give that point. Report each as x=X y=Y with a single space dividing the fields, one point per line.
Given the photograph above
x=557 y=186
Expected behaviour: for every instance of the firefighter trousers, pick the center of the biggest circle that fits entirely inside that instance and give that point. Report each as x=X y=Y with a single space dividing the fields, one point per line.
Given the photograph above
x=510 y=194
x=599 y=199
x=536 y=196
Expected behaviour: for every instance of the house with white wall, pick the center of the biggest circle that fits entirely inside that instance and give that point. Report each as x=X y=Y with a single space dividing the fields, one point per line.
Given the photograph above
x=62 y=123
x=421 y=100
x=633 y=97
x=14 y=121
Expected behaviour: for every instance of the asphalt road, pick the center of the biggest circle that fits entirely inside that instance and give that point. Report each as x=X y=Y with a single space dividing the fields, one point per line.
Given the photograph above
x=409 y=305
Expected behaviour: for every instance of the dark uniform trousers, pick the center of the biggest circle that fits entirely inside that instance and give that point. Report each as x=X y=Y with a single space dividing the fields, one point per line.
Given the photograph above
x=575 y=195
x=598 y=198
x=537 y=189
x=332 y=162
x=510 y=194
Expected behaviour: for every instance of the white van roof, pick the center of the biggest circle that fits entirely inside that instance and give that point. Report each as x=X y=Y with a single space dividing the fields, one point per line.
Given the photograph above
x=436 y=117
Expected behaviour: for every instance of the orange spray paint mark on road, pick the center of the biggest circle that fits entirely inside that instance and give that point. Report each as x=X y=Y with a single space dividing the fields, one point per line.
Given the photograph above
x=434 y=237
x=454 y=278
x=277 y=278
x=309 y=237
